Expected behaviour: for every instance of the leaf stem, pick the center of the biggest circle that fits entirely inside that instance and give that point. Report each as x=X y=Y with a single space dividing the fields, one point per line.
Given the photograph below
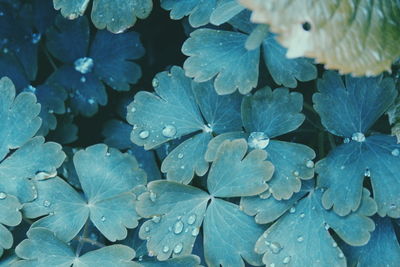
x=81 y=239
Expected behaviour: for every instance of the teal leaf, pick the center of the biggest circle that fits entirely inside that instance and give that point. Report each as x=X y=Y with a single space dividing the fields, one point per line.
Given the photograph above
x=224 y=11
x=184 y=261
x=301 y=237
x=283 y=70
x=71 y=8
x=10 y=215
x=19 y=117
x=246 y=175
x=187 y=159
x=221 y=54
x=43 y=248
x=176 y=111
x=229 y=235
x=119 y=15
x=216 y=142
x=272 y=112
x=267 y=209
x=177 y=212
x=199 y=11
x=352 y=106
x=383 y=248
x=117 y=69
x=345 y=168
x=107 y=178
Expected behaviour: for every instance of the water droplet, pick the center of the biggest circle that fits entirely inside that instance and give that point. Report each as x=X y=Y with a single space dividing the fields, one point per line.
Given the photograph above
x=302 y=215
x=147 y=229
x=153 y=196
x=178 y=248
x=195 y=231
x=326 y=226
x=309 y=164
x=84 y=65
x=265 y=195
x=156 y=219
x=207 y=128
x=3 y=195
x=292 y=210
x=30 y=88
x=341 y=255
x=140 y=258
x=133 y=109
x=36 y=38
x=346 y=140
x=169 y=131
x=275 y=247
x=191 y=219
x=46 y=203
x=83 y=79
x=258 y=140
x=392 y=206
x=180 y=156
x=103 y=219
x=144 y=134
x=367 y=173
x=155 y=83
x=151 y=253
x=334 y=244
x=300 y=239
x=396 y=152
x=91 y=101
x=358 y=137
x=50 y=111
x=183 y=167
x=286 y=260
x=178 y=227
x=296 y=173
x=165 y=249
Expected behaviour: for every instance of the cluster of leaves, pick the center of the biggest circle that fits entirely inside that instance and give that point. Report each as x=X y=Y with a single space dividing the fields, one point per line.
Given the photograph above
x=216 y=165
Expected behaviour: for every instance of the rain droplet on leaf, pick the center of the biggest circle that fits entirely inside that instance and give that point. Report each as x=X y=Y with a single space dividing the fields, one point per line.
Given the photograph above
x=275 y=247
x=3 y=195
x=103 y=219
x=178 y=248
x=169 y=131
x=46 y=203
x=396 y=152
x=358 y=137
x=258 y=140
x=155 y=82
x=144 y=134
x=165 y=249
x=191 y=219
x=84 y=65
x=286 y=260
x=178 y=227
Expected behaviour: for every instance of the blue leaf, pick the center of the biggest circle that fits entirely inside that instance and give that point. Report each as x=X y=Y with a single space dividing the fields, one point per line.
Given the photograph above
x=199 y=11
x=382 y=249
x=10 y=215
x=301 y=237
x=107 y=178
x=221 y=54
x=272 y=112
x=112 y=55
x=224 y=11
x=286 y=71
x=43 y=248
x=11 y=68
x=343 y=172
x=352 y=106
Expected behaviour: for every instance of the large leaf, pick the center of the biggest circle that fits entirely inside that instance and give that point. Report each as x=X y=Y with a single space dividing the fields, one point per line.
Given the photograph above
x=10 y=215
x=301 y=236
x=358 y=37
x=116 y=15
x=107 y=178
x=43 y=248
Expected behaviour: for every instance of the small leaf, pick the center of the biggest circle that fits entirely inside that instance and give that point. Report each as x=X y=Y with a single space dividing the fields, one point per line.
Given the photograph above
x=43 y=248
x=10 y=215
x=224 y=11
x=71 y=8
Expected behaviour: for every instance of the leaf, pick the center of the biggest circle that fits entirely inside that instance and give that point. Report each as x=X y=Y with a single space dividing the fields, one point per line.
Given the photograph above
x=358 y=38
x=10 y=215
x=219 y=53
x=22 y=109
x=43 y=248
x=116 y=69
x=71 y=9
x=107 y=178
x=343 y=172
x=246 y=176
x=184 y=261
x=301 y=237
x=362 y=102
x=199 y=11
x=382 y=249
x=177 y=110
x=229 y=235
x=224 y=11
x=267 y=209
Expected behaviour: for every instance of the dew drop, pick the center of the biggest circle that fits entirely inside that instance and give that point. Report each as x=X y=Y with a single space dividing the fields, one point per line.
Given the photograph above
x=147 y=229
x=191 y=219
x=140 y=258
x=341 y=255
x=156 y=219
x=207 y=128
x=346 y=140
x=396 y=152
x=265 y=195
x=358 y=137
x=292 y=210
x=300 y=239
x=367 y=173
x=2 y=195
x=309 y=164
x=155 y=82
x=286 y=260
x=275 y=247
x=84 y=65
x=195 y=231
x=296 y=173
x=46 y=203
x=180 y=156
x=36 y=38
x=133 y=109
x=153 y=196
x=83 y=79
x=91 y=101
x=326 y=226
x=258 y=140
x=103 y=219
x=165 y=249
x=334 y=244
x=302 y=215
x=178 y=248
x=144 y=134
x=178 y=227
x=169 y=131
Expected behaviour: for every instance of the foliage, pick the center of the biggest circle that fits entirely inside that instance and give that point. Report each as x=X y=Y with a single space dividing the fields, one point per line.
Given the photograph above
x=198 y=137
